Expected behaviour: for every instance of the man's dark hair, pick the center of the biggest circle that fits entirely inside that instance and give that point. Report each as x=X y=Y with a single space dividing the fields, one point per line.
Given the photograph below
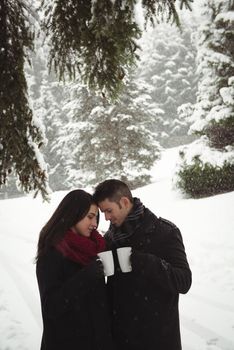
x=113 y=190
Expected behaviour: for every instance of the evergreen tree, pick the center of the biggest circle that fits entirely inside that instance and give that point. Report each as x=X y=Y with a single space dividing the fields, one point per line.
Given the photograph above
x=97 y=39
x=182 y=124
x=47 y=95
x=209 y=167
x=77 y=106
x=168 y=64
x=112 y=140
x=20 y=135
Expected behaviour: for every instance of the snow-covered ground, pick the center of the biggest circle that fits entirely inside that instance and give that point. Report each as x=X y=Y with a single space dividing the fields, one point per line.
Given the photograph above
x=207 y=226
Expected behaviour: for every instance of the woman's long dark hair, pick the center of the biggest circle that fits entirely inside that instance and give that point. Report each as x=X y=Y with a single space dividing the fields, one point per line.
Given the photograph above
x=73 y=208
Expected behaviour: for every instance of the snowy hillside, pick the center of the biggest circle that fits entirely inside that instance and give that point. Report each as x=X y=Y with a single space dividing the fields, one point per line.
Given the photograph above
x=207 y=226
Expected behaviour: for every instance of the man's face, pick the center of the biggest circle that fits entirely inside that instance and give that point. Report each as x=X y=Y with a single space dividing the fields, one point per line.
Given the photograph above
x=116 y=213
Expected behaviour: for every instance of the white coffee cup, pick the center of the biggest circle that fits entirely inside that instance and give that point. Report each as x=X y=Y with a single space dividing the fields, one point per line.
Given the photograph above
x=108 y=262
x=124 y=258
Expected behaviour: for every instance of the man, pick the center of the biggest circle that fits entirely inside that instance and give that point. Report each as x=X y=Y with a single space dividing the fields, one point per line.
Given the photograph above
x=144 y=302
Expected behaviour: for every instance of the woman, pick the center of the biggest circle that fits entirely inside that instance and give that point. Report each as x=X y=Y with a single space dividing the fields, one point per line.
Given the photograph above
x=70 y=278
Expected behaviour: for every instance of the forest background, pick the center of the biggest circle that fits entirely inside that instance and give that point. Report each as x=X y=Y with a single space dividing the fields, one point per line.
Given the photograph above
x=171 y=122
x=165 y=85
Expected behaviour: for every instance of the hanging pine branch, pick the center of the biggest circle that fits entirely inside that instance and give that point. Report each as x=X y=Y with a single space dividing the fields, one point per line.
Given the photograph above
x=19 y=136
x=97 y=39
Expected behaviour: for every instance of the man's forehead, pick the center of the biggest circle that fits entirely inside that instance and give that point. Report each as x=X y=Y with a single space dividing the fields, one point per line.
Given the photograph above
x=106 y=203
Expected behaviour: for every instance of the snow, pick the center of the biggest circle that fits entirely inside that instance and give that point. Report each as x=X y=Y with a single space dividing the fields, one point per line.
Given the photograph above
x=207 y=226
x=139 y=15
x=200 y=149
x=227 y=16
x=227 y=93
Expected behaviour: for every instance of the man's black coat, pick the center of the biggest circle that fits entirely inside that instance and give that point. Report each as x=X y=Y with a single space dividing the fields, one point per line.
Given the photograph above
x=144 y=302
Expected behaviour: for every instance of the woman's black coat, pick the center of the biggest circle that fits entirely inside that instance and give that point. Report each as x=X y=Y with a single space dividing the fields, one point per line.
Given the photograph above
x=73 y=303
x=144 y=302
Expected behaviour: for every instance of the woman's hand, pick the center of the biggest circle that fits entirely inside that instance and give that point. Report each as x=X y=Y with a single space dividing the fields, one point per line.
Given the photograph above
x=95 y=269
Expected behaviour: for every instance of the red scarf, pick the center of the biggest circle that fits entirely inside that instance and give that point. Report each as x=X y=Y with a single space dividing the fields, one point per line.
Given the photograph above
x=81 y=249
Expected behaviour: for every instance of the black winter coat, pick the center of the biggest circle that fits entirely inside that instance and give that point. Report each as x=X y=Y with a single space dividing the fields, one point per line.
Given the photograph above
x=144 y=302
x=74 y=305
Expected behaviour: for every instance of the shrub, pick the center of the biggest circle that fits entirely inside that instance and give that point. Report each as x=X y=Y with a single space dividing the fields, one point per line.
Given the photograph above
x=203 y=179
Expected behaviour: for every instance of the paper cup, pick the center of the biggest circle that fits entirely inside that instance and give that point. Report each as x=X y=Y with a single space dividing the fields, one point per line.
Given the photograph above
x=108 y=262
x=124 y=258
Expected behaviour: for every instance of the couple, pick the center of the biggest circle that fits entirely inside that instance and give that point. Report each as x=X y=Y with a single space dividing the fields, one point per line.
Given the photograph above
x=137 y=310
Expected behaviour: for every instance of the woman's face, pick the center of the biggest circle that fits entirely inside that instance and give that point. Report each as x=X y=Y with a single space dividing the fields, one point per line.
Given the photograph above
x=85 y=226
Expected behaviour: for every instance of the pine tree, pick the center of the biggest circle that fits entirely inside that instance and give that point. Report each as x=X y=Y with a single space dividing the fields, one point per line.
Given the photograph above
x=77 y=106
x=112 y=139
x=98 y=39
x=168 y=64
x=20 y=135
x=48 y=95
x=208 y=167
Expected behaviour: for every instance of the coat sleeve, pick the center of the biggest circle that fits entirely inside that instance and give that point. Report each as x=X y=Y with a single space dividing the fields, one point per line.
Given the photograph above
x=170 y=271
x=58 y=296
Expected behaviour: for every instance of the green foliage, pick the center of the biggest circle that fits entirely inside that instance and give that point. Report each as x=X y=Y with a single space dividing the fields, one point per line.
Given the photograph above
x=214 y=111
x=221 y=134
x=215 y=64
x=156 y=10
x=203 y=179
x=97 y=39
x=18 y=134
x=99 y=43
